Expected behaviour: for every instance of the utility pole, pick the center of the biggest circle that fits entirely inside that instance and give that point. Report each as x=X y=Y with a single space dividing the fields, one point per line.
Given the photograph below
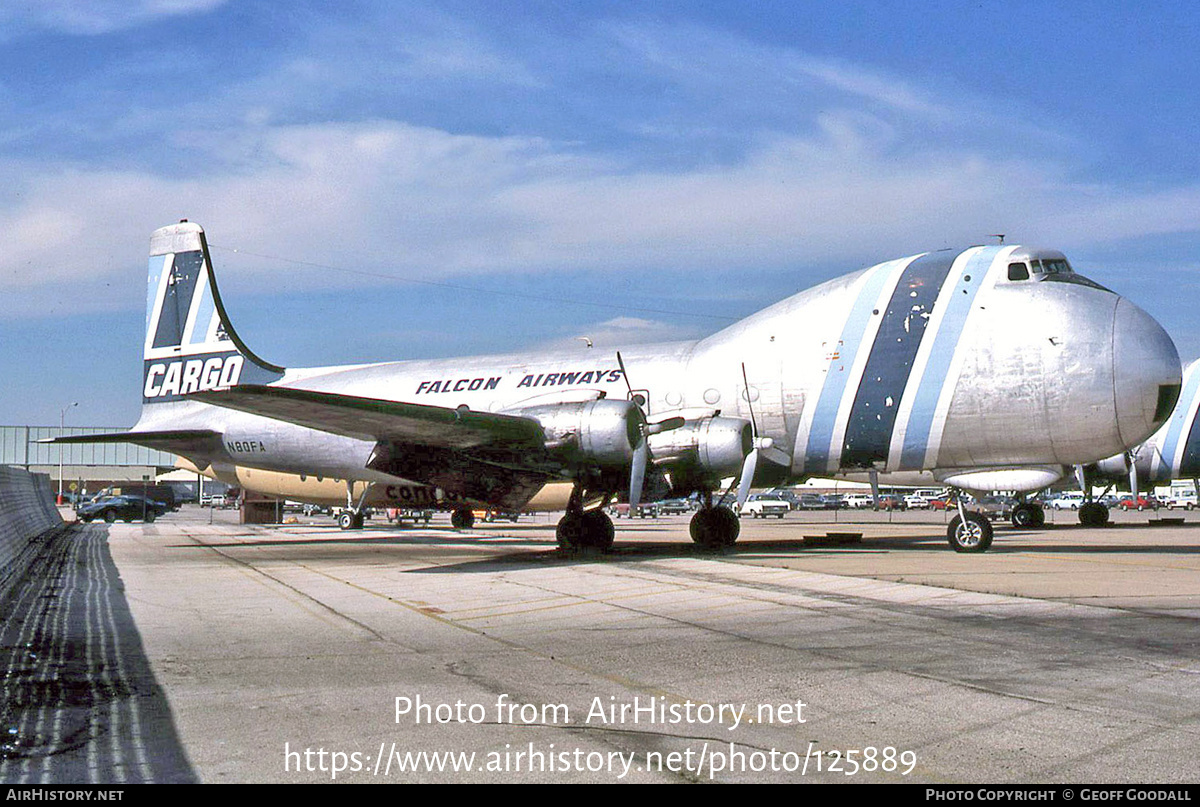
x=62 y=419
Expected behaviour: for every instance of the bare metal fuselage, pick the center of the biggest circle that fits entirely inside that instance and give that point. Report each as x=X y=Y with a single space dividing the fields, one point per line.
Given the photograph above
x=878 y=370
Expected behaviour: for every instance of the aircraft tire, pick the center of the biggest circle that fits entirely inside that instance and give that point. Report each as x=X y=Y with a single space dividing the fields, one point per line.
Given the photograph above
x=974 y=535
x=1093 y=514
x=462 y=519
x=1028 y=516
x=598 y=531
x=714 y=527
x=571 y=531
x=346 y=520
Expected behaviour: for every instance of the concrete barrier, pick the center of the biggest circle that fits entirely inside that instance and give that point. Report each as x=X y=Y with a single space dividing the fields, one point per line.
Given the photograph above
x=27 y=511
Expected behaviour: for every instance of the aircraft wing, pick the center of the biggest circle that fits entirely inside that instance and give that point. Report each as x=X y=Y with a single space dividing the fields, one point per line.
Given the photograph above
x=378 y=419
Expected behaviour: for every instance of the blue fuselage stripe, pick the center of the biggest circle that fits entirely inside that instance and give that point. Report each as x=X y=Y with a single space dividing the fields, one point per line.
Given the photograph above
x=873 y=415
x=820 y=435
x=941 y=356
x=1180 y=428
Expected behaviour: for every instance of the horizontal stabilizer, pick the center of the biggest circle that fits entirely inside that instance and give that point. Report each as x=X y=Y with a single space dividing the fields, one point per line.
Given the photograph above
x=376 y=419
x=174 y=441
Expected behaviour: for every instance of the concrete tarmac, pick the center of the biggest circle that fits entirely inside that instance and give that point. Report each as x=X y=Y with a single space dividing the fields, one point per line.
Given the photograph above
x=301 y=653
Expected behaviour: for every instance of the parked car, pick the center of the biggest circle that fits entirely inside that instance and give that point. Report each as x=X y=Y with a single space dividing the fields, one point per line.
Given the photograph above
x=891 y=501
x=1139 y=503
x=1067 y=501
x=810 y=501
x=124 y=507
x=762 y=505
x=621 y=510
x=835 y=501
x=674 y=507
x=860 y=501
x=1183 y=499
x=920 y=499
x=997 y=508
x=416 y=515
x=489 y=516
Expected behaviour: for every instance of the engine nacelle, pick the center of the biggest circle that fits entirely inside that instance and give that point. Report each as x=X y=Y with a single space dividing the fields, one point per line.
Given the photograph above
x=602 y=431
x=714 y=446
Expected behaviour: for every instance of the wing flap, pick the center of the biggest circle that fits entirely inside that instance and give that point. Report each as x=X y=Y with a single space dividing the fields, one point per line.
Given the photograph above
x=378 y=419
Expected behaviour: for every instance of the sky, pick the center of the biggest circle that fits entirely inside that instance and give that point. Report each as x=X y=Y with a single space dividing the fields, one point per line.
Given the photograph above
x=391 y=180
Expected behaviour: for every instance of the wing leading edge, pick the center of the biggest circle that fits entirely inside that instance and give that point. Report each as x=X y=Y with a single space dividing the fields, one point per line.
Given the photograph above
x=381 y=420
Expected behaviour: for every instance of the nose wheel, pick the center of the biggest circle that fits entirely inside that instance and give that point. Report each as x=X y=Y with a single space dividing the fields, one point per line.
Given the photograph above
x=970 y=532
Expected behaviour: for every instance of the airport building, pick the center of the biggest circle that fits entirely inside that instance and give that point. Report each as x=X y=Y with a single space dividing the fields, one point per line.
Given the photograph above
x=83 y=469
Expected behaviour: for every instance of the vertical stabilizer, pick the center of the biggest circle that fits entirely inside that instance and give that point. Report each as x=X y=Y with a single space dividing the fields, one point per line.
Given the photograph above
x=190 y=343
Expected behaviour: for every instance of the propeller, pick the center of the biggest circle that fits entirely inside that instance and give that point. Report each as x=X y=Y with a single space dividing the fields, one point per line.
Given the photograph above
x=641 y=452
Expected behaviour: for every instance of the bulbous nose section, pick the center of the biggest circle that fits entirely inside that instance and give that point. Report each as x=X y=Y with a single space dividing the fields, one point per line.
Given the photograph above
x=1146 y=373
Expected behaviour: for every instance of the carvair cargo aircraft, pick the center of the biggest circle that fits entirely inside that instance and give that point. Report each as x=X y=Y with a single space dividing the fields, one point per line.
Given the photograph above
x=942 y=361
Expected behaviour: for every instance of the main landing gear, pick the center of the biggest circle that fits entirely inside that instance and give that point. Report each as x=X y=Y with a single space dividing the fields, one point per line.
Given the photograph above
x=352 y=517
x=714 y=527
x=584 y=529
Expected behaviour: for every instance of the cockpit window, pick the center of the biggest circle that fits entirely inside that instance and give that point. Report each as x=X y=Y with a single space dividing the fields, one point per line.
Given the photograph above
x=1018 y=271
x=1078 y=280
x=1056 y=267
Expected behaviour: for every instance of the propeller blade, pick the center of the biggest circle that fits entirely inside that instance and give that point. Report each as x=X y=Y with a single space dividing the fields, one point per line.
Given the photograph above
x=637 y=475
x=749 y=404
x=748 y=468
x=1133 y=478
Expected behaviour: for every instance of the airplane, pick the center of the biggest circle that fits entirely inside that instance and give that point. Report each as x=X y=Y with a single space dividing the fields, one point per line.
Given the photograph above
x=958 y=362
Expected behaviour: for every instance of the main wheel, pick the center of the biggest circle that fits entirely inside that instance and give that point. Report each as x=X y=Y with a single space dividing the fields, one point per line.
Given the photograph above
x=1093 y=514
x=714 y=527
x=571 y=531
x=972 y=535
x=346 y=520
x=598 y=530
x=1025 y=516
x=463 y=518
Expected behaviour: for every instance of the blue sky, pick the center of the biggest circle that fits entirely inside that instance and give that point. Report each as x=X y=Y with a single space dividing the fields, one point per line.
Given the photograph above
x=385 y=180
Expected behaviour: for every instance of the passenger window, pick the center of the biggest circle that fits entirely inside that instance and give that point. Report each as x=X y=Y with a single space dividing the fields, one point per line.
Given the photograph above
x=1018 y=271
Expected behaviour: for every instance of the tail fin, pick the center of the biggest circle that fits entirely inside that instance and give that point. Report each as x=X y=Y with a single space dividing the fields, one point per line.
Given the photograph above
x=190 y=343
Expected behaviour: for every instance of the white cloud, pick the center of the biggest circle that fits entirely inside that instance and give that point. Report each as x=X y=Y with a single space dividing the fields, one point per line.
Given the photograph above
x=384 y=197
x=621 y=331
x=90 y=17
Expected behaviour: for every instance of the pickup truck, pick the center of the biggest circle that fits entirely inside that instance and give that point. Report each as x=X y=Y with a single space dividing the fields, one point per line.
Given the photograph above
x=762 y=505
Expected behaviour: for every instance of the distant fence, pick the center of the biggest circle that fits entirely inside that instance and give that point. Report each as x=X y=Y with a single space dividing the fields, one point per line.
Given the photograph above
x=26 y=511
